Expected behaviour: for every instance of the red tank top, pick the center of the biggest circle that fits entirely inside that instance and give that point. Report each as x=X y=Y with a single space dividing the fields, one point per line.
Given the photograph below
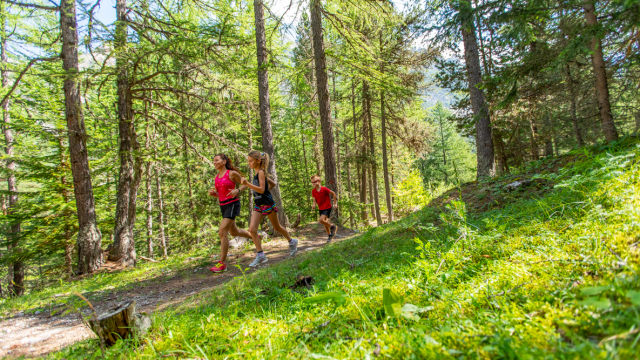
x=223 y=186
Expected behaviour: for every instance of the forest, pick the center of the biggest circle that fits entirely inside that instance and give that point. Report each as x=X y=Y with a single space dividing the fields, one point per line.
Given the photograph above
x=111 y=125
x=110 y=128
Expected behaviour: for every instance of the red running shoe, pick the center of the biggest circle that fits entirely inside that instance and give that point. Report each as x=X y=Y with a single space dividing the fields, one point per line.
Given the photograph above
x=219 y=267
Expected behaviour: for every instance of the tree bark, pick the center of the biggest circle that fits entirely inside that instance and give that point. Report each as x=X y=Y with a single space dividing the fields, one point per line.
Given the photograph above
x=385 y=160
x=89 y=236
x=372 y=207
x=149 y=208
x=121 y=323
x=346 y=150
x=161 y=235
x=250 y=173
x=574 y=116
x=484 y=142
x=324 y=103
x=12 y=187
x=501 y=153
x=600 y=72
x=187 y=170
x=535 y=152
x=363 y=161
x=307 y=178
x=123 y=249
x=337 y=147
x=265 y=106
x=68 y=244
x=372 y=154
x=548 y=135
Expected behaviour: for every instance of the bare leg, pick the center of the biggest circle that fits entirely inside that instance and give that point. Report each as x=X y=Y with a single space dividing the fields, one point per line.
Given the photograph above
x=325 y=222
x=234 y=231
x=256 y=218
x=273 y=217
x=223 y=232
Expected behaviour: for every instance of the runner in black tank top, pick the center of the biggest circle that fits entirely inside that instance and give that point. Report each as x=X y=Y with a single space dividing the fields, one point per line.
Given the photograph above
x=264 y=205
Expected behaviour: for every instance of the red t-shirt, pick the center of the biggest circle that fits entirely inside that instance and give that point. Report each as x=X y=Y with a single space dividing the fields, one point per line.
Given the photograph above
x=322 y=198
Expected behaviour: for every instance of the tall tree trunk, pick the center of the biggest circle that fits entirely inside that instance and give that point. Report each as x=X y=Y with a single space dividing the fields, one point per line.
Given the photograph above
x=385 y=159
x=304 y=155
x=9 y=278
x=484 y=143
x=363 y=160
x=548 y=135
x=324 y=104
x=250 y=143
x=123 y=249
x=372 y=154
x=187 y=170
x=337 y=147
x=574 y=116
x=600 y=71
x=161 y=231
x=12 y=187
x=501 y=153
x=535 y=152
x=265 y=105
x=149 y=204
x=346 y=151
x=372 y=207
x=68 y=244
x=89 y=236
x=161 y=235
x=316 y=143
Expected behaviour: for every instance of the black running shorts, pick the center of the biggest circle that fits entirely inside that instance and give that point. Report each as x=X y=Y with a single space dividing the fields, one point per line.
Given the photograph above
x=230 y=211
x=326 y=212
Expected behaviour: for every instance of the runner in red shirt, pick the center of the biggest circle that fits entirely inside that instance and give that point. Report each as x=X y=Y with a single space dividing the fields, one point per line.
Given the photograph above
x=321 y=194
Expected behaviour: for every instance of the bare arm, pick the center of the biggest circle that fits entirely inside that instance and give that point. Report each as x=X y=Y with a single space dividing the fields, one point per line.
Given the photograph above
x=272 y=183
x=237 y=178
x=258 y=189
x=335 y=198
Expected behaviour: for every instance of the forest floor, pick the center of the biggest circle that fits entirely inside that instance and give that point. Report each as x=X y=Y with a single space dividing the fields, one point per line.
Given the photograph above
x=540 y=263
x=52 y=325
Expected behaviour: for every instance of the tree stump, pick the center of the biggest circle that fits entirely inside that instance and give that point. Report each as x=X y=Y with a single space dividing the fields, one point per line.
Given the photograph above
x=121 y=323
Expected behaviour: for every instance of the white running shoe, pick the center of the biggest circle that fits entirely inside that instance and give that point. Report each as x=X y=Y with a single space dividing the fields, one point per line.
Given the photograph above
x=293 y=247
x=260 y=259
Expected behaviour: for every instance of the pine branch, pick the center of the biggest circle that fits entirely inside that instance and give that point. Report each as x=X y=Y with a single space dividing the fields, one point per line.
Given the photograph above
x=233 y=146
x=32 y=6
x=24 y=71
x=179 y=134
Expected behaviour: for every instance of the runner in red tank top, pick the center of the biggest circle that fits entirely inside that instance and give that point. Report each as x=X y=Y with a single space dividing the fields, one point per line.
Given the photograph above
x=227 y=194
x=323 y=196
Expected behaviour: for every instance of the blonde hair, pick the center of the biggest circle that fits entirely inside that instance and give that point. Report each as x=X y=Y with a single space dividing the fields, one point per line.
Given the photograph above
x=316 y=176
x=263 y=157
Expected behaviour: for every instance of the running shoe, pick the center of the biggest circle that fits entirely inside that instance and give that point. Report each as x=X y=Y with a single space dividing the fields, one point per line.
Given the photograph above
x=333 y=230
x=329 y=238
x=260 y=258
x=293 y=247
x=219 y=267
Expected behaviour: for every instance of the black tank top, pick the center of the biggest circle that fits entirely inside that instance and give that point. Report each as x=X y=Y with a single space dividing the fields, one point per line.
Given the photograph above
x=265 y=198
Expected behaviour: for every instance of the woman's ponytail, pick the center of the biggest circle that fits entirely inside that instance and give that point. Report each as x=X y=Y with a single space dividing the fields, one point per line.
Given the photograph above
x=265 y=163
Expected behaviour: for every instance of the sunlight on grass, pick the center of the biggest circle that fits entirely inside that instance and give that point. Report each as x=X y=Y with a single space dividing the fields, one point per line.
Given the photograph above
x=554 y=276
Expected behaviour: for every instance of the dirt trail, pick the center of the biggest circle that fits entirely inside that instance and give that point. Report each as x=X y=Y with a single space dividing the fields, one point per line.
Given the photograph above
x=41 y=333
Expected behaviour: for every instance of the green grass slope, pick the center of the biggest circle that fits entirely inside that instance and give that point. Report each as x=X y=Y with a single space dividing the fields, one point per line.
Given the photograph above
x=548 y=270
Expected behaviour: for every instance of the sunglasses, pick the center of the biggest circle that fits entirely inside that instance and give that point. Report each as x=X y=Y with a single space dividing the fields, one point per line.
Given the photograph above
x=313 y=182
